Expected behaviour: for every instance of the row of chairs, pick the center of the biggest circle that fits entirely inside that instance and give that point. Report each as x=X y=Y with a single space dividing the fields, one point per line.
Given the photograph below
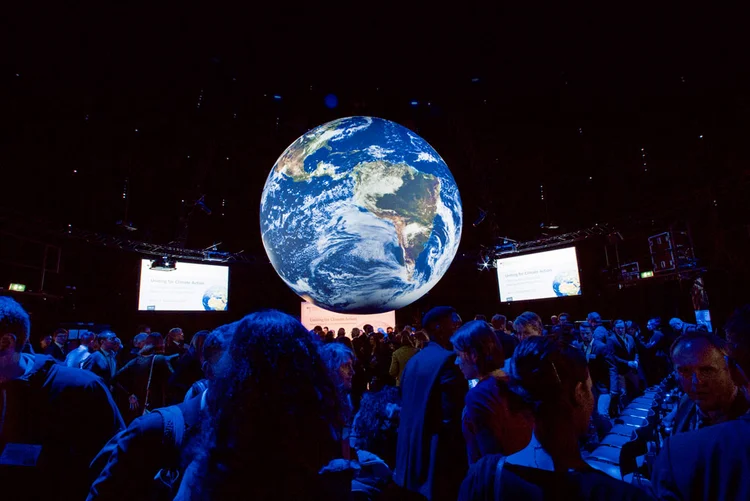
x=622 y=454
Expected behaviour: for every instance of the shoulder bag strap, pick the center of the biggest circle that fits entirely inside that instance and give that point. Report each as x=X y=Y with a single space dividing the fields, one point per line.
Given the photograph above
x=148 y=385
x=498 y=474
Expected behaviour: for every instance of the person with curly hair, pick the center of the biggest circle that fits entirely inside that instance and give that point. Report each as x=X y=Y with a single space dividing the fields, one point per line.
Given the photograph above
x=271 y=420
x=340 y=362
x=374 y=436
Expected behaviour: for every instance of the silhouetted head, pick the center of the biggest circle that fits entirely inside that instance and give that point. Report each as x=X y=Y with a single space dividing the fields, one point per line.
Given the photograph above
x=340 y=361
x=553 y=378
x=676 y=324
x=594 y=319
x=196 y=344
x=14 y=326
x=176 y=335
x=154 y=344
x=440 y=323
x=498 y=322
x=528 y=324
x=60 y=336
x=704 y=370
x=375 y=427
x=107 y=340
x=478 y=350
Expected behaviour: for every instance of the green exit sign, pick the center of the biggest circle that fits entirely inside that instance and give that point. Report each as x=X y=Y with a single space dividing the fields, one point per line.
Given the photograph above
x=647 y=274
x=17 y=287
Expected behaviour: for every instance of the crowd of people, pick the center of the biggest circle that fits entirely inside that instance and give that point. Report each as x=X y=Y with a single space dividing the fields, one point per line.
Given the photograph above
x=262 y=408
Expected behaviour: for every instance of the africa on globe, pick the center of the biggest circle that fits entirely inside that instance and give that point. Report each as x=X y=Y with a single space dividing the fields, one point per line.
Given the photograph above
x=215 y=299
x=566 y=284
x=360 y=215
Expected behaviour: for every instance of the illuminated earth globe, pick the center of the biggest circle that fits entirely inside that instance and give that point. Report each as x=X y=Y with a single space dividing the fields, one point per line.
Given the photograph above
x=360 y=215
x=215 y=299
x=566 y=284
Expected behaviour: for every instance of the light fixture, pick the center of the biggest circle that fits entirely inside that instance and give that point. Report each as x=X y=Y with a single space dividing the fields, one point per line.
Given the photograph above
x=484 y=263
x=164 y=264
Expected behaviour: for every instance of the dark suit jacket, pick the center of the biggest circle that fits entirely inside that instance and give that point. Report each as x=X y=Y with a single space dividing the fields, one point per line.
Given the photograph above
x=172 y=348
x=711 y=463
x=126 y=356
x=133 y=379
x=598 y=359
x=42 y=407
x=508 y=342
x=55 y=352
x=620 y=354
x=187 y=370
x=431 y=455
x=102 y=365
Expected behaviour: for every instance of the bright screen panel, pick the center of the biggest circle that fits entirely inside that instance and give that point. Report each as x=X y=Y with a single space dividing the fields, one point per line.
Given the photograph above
x=311 y=315
x=189 y=287
x=541 y=275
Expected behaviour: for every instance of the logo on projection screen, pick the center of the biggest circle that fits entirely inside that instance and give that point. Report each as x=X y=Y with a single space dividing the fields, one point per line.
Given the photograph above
x=541 y=275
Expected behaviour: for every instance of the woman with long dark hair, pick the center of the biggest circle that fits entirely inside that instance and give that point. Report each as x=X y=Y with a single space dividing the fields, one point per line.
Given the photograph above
x=551 y=376
x=273 y=413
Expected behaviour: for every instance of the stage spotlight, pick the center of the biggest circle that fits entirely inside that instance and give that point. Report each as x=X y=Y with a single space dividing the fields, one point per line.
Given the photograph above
x=484 y=263
x=164 y=264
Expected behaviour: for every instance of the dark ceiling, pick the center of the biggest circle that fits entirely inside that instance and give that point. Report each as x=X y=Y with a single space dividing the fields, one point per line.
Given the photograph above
x=103 y=99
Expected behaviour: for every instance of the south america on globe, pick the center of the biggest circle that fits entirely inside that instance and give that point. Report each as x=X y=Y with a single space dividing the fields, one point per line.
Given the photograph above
x=360 y=215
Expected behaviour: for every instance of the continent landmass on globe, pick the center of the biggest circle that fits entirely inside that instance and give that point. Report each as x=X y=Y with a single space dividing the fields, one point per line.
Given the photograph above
x=292 y=162
x=402 y=195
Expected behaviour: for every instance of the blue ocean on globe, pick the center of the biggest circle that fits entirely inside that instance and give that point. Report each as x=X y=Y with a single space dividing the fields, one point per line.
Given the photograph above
x=215 y=299
x=360 y=215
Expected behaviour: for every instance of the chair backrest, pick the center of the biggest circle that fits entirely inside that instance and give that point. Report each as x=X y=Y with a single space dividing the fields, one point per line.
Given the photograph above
x=614 y=440
x=624 y=430
x=610 y=469
x=634 y=421
x=644 y=403
x=607 y=454
x=636 y=411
